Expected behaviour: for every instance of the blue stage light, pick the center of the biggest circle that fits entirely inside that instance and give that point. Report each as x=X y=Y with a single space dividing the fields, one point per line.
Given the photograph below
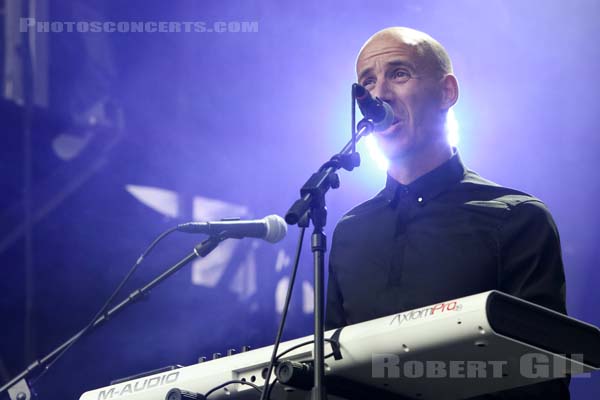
x=452 y=128
x=376 y=154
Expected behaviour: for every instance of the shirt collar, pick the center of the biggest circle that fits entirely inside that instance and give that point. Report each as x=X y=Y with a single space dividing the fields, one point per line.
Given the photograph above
x=429 y=185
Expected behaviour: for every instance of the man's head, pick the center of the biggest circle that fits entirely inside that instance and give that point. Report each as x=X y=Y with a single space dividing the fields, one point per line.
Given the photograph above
x=412 y=72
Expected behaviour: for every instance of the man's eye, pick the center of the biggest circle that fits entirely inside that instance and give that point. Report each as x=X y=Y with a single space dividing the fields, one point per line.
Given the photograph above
x=368 y=81
x=401 y=74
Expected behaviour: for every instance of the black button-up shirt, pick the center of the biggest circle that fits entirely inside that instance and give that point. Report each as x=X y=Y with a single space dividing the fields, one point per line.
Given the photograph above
x=448 y=234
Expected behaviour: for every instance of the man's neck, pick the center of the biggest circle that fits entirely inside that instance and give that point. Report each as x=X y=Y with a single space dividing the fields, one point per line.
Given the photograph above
x=408 y=169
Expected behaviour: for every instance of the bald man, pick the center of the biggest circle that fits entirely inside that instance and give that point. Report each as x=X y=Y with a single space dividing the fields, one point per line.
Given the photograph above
x=438 y=230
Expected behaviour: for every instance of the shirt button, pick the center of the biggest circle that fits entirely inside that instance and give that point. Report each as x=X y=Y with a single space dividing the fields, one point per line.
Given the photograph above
x=420 y=200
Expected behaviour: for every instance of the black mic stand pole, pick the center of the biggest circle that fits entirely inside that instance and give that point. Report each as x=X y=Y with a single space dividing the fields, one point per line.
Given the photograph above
x=18 y=387
x=312 y=201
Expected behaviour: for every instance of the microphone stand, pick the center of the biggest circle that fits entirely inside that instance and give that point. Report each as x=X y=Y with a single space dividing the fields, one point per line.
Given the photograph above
x=18 y=387
x=312 y=201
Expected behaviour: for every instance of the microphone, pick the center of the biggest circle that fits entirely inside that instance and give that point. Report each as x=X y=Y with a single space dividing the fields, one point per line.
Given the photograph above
x=271 y=228
x=375 y=109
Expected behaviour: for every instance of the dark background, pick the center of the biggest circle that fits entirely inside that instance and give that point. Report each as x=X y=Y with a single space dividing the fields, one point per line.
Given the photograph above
x=235 y=122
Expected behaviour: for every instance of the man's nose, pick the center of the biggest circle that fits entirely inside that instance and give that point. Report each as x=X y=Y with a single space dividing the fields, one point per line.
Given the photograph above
x=382 y=90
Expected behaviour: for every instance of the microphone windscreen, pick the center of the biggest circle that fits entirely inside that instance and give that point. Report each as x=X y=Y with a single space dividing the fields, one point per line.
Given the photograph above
x=276 y=228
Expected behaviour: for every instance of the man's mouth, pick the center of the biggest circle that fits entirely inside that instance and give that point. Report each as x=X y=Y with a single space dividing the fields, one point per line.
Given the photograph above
x=393 y=128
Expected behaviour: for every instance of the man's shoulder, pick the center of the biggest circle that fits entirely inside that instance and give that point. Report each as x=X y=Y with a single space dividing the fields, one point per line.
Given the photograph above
x=480 y=192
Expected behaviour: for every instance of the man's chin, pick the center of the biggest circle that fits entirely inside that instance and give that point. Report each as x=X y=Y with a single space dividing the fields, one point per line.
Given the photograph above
x=396 y=154
x=394 y=146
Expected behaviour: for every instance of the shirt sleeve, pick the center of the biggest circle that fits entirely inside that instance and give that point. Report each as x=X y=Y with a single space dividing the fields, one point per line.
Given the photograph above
x=531 y=264
x=531 y=268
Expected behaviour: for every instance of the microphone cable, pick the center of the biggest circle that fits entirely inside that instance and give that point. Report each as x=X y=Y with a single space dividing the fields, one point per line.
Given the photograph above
x=105 y=307
x=288 y=296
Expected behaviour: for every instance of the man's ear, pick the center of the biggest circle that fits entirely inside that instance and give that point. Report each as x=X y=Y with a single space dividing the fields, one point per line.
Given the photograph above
x=449 y=91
